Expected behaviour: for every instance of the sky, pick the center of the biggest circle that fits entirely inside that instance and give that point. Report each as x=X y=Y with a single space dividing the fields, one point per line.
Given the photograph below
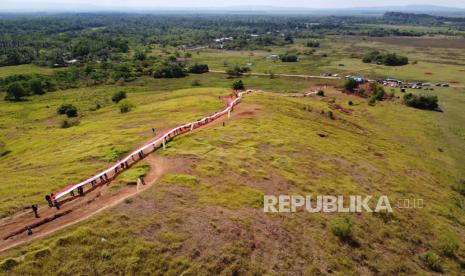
x=45 y=5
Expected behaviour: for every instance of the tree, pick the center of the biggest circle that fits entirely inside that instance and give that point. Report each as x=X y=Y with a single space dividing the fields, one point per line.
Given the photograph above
x=421 y=102
x=139 y=55
x=350 y=85
x=289 y=58
x=169 y=70
x=36 y=86
x=198 y=68
x=15 y=92
x=125 y=106
x=68 y=109
x=118 y=96
x=237 y=71
x=238 y=85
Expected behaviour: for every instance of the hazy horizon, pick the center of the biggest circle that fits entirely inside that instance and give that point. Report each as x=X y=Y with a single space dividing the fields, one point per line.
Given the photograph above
x=141 y=5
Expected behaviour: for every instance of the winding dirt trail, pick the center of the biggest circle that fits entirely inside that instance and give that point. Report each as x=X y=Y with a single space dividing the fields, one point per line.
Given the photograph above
x=79 y=208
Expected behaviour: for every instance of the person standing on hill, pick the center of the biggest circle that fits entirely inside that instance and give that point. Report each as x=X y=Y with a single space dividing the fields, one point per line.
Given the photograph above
x=49 y=201
x=56 y=204
x=34 y=208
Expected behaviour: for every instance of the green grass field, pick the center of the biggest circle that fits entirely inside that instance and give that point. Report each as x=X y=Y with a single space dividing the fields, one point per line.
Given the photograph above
x=207 y=218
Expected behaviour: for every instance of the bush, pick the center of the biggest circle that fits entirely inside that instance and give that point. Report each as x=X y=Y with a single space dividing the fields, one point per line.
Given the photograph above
x=320 y=93
x=342 y=228
x=237 y=71
x=69 y=123
x=351 y=103
x=238 y=85
x=125 y=106
x=8 y=264
x=448 y=245
x=331 y=115
x=421 y=102
x=118 y=96
x=15 y=92
x=432 y=261
x=372 y=101
x=198 y=68
x=36 y=87
x=289 y=58
x=68 y=109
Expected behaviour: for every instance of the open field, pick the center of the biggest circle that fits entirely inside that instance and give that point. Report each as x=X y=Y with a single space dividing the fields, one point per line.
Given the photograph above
x=25 y=69
x=207 y=218
x=203 y=210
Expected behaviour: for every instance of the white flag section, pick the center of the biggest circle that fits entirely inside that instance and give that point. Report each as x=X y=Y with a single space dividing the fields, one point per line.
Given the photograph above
x=120 y=165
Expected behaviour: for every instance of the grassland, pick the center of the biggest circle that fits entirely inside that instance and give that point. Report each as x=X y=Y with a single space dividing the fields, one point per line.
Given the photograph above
x=206 y=217
x=26 y=69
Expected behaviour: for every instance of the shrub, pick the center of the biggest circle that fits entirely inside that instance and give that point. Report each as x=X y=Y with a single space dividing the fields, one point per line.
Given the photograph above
x=448 y=245
x=351 y=103
x=68 y=109
x=15 y=92
x=421 y=102
x=432 y=261
x=36 y=87
x=331 y=115
x=289 y=58
x=118 y=96
x=139 y=55
x=125 y=106
x=372 y=101
x=198 y=68
x=196 y=83
x=8 y=264
x=389 y=59
x=320 y=93
x=342 y=228
x=69 y=123
x=238 y=85
x=237 y=71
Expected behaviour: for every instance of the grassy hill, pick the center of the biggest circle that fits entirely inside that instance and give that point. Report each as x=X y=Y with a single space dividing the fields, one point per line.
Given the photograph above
x=206 y=216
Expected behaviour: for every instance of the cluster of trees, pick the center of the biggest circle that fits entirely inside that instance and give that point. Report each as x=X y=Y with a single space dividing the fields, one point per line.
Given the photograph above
x=388 y=59
x=170 y=70
x=429 y=102
x=237 y=70
x=289 y=57
x=54 y=39
x=19 y=86
x=198 y=68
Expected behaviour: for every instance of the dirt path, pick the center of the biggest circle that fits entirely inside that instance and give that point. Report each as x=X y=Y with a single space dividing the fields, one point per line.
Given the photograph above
x=79 y=208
